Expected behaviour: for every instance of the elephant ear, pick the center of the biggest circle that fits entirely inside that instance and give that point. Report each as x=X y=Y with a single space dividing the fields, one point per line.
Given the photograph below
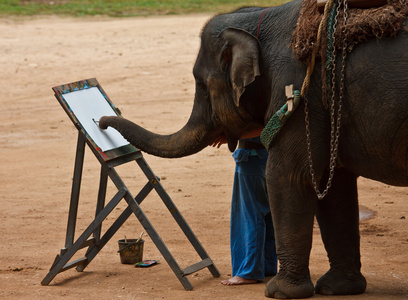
x=240 y=56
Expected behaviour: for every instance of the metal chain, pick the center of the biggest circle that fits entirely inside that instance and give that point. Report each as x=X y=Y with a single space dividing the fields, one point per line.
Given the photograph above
x=335 y=124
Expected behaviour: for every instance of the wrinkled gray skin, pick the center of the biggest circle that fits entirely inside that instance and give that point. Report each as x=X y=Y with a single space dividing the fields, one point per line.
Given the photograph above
x=231 y=68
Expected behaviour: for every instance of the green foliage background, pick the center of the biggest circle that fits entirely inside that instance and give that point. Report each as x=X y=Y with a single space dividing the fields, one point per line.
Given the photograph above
x=124 y=8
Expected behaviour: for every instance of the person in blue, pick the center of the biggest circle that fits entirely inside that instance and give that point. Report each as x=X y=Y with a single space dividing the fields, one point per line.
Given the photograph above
x=252 y=238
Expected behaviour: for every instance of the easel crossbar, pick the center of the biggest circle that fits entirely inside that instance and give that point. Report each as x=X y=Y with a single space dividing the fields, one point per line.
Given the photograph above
x=198 y=266
x=73 y=264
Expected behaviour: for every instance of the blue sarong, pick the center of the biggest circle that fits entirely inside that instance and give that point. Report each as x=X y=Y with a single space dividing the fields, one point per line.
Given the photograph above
x=253 y=251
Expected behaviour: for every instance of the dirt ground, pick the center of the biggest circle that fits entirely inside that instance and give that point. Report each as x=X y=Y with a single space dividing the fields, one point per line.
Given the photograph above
x=145 y=66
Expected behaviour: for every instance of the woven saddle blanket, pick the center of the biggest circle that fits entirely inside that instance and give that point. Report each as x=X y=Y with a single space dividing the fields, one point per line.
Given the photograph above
x=362 y=24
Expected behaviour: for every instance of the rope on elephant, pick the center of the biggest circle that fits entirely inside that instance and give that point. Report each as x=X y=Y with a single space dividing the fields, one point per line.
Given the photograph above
x=279 y=119
x=324 y=22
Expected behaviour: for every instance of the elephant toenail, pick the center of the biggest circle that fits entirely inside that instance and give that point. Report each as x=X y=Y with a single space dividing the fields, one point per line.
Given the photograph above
x=325 y=290
x=279 y=295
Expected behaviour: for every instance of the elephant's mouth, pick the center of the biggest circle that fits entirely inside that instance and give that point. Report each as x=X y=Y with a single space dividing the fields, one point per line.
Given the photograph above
x=232 y=144
x=232 y=141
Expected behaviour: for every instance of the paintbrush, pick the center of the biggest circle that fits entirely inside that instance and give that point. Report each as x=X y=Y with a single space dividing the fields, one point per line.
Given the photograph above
x=140 y=237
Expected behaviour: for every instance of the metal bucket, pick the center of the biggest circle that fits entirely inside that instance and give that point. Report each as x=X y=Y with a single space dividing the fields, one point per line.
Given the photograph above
x=130 y=251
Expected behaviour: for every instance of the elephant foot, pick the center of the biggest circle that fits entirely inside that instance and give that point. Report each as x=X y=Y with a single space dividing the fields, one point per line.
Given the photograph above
x=286 y=287
x=338 y=283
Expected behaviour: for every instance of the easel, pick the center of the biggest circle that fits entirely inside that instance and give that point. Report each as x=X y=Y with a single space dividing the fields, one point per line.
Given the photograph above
x=109 y=160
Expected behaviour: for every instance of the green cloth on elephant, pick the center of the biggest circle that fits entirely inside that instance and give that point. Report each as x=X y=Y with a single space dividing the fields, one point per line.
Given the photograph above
x=275 y=124
x=253 y=251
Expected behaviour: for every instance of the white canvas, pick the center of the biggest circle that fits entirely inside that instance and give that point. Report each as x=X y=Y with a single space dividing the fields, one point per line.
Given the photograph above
x=88 y=106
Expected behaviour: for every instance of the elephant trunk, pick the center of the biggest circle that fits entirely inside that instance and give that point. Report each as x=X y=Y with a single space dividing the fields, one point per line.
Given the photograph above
x=192 y=138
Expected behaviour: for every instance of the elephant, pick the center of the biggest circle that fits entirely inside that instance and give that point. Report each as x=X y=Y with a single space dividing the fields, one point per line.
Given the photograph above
x=241 y=72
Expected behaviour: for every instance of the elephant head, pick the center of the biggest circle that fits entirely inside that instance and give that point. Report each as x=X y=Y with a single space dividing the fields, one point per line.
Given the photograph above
x=225 y=72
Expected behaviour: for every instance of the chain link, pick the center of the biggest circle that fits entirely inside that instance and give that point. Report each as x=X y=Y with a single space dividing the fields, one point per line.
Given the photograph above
x=335 y=124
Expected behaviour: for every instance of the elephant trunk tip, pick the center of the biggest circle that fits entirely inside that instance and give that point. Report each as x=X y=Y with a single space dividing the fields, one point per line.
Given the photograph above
x=103 y=122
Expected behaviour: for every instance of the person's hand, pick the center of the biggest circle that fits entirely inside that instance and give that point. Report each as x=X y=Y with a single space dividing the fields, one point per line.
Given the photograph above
x=222 y=139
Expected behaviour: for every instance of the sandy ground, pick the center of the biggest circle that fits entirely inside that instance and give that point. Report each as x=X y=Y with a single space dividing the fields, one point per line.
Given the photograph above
x=144 y=64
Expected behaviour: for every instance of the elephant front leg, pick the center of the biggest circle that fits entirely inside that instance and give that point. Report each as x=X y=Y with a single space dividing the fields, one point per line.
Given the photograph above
x=293 y=217
x=338 y=217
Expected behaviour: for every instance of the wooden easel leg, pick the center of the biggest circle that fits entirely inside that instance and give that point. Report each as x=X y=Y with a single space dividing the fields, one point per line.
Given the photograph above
x=62 y=265
x=147 y=225
x=186 y=229
x=179 y=218
x=151 y=231
x=76 y=186
x=103 y=182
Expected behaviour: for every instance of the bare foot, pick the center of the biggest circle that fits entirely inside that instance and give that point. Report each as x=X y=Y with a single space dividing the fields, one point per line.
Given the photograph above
x=236 y=280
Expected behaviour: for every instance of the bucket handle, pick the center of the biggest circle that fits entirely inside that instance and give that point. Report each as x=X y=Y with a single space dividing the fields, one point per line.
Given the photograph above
x=130 y=244
x=137 y=241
